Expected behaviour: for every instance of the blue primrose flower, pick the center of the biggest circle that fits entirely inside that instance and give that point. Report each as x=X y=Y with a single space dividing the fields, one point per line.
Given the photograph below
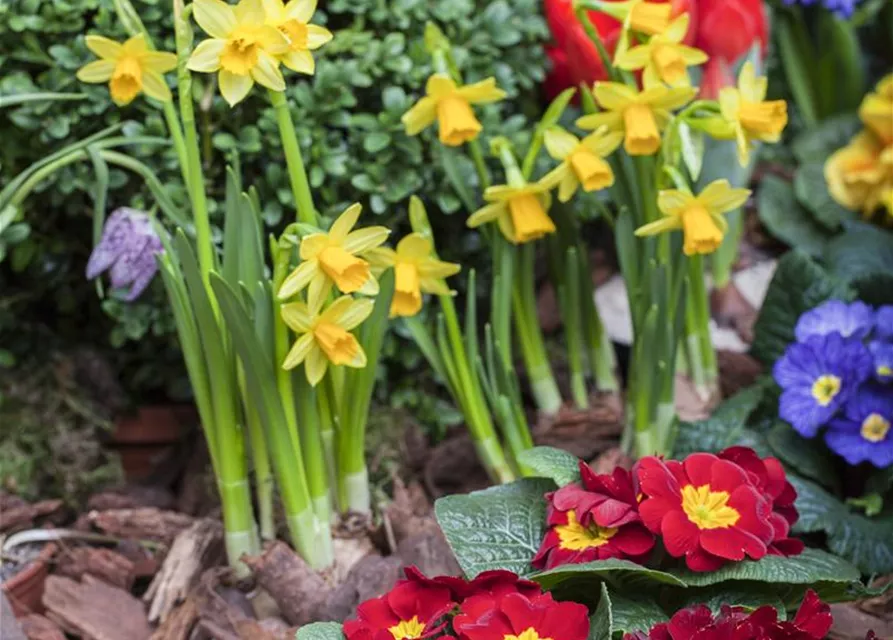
x=855 y=320
x=882 y=352
x=840 y=8
x=883 y=322
x=817 y=376
x=863 y=433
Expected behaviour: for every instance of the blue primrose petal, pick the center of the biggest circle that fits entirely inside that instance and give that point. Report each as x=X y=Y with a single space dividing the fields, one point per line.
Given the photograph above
x=865 y=432
x=882 y=352
x=854 y=320
x=883 y=322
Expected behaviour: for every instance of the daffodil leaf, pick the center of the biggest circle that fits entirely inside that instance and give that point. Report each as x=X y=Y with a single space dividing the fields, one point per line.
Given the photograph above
x=320 y=631
x=556 y=464
x=692 y=143
x=497 y=528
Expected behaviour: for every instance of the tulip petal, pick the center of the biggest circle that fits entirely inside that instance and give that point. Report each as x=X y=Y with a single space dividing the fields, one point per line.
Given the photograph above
x=266 y=72
x=96 y=71
x=103 y=47
x=216 y=18
x=233 y=87
x=155 y=86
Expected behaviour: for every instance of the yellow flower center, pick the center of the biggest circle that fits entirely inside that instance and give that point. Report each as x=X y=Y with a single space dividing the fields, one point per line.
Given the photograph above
x=407 y=299
x=592 y=172
x=708 y=509
x=407 y=629
x=296 y=32
x=875 y=428
x=825 y=388
x=240 y=52
x=884 y=370
x=763 y=118
x=642 y=137
x=458 y=123
x=339 y=345
x=702 y=235
x=127 y=80
x=529 y=218
x=651 y=18
x=670 y=64
x=349 y=272
x=528 y=634
x=573 y=536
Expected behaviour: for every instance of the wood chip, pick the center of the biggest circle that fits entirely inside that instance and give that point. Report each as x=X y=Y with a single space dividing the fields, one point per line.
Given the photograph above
x=179 y=623
x=105 y=564
x=37 y=627
x=9 y=626
x=23 y=515
x=95 y=610
x=146 y=523
x=194 y=550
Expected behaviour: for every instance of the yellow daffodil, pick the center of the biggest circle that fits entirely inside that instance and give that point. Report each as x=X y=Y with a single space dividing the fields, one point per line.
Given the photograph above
x=876 y=110
x=332 y=259
x=129 y=68
x=582 y=161
x=416 y=271
x=243 y=48
x=450 y=106
x=641 y=116
x=293 y=21
x=520 y=211
x=747 y=115
x=649 y=18
x=664 y=58
x=699 y=217
x=325 y=338
x=860 y=175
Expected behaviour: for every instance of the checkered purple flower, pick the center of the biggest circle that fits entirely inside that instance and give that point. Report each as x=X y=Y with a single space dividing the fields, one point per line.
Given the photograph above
x=817 y=376
x=863 y=433
x=854 y=320
x=127 y=250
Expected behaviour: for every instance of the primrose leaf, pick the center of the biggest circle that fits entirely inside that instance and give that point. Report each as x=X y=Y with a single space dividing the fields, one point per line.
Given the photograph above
x=549 y=462
x=820 y=142
x=863 y=256
x=634 y=613
x=799 y=284
x=320 y=631
x=601 y=624
x=811 y=190
x=809 y=457
x=722 y=429
x=497 y=528
x=582 y=576
x=786 y=220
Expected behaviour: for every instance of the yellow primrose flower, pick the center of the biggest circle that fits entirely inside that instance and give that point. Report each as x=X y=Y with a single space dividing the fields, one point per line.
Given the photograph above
x=582 y=161
x=450 y=105
x=641 y=116
x=876 y=110
x=293 y=21
x=416 y=271
x=664 y=58
x=748 y=113
x=129 y=68
x=520 y=211
x=325 y=338
x=242 y=49
x=699 y=216
x=332 y=259
x=860 y=174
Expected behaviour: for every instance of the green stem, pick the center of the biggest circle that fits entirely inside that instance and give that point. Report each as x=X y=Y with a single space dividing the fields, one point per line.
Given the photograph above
x=297 y=174
x=698 y=293
x=176 y=132
x=573 y=317
x=592 y=33
x=477 y=156
x=263 y=475
x=793 y=44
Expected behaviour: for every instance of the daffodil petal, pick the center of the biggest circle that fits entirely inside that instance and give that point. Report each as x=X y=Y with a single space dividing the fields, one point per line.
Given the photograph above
x=250 y=12
x=673 y=98
x=159 y=61
x=435 y=286
x=317 y=36
x=482 y=92
x=610 y=119
x=415 y=245
x=233 y=88
x=315 y=365
x=485 y=214
x=272 y=40
x=439 y=85
x=677 y=29
x=364 y=239
x=437 y=269
x=559 y=143
x=103 y=47
x=297 y=316
x=311 y=245
x=275 y=11
x=216 y=18
x=669 y=223
x=318 y=291
x=568 y=187
x=380 y=257
x=633 y=58
x=613 y=95
x=556 y=175
x=603 y=143
x=335 y=310
x=345 y=222
x=300 y=10
x=747 y=82
x=420 y=116
x=205 y=57
x=300 y=62
x=359 y=359
x=504 y=221
x=370 y=288
x=297 y=280
x=155 y=86
x=355 y=313
x=691 y=55
x=650 y=78
x=299 y=351
x=266 y=72
x=719 y=197
x=729 y=103
x=135 y=44
x=96 y=71
x=672 y=201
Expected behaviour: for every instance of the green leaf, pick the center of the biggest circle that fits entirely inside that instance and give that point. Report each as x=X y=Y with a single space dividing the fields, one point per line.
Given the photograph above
x=692 y=149
x=863 y=256
x=786 y=220
x=631 y=613
x=799 y=284
x=820 y=142
x=498 y=528
x=629 y=574
x=722 y=429
x=750 y=599
x=811 y=190
x=548 y=462
x=601 y=625
x=809 y=457
x=320 y=631
x=866 y=542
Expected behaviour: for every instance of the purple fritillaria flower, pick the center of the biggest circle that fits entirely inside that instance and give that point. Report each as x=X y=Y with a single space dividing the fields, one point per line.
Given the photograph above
x=883 y=322
x=882 y=352
x=128 y=248
x=854 y=320
x=863 y=433
x=817 y=377
x=840 y=8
